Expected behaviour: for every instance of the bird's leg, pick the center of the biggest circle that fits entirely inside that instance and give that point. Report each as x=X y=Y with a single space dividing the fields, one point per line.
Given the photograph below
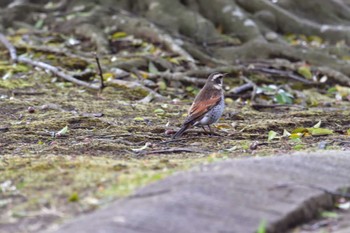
x=211 y=132
x=204 y=129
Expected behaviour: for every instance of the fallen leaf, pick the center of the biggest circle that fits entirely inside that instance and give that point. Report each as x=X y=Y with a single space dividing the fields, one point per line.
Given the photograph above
x=320 y=131
x=142 y=148
x=74 y=197
x=348 y=132
x=159 y=111
x=272 y=134
x=62 y=132
x=118 y=35
x=299 y=130
x=329 y=214
x=152 y=68
x=285 y=133
x=305 y=71
x=317 y=125
x=342 y=91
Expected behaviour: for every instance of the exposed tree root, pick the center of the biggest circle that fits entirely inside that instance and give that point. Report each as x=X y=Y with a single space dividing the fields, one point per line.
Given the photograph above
x=230 y=32
x=288 y=22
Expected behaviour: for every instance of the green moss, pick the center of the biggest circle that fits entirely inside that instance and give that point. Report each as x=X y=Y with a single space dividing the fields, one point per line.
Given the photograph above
x=61 y=179
x=14 y=83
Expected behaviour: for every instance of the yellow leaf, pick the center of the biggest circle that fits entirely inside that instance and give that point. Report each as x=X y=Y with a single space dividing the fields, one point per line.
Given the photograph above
x=320 y=131
x=107 y=76
x=144 y=75
x=346 y=58
x=223 y=126
x=348 y=132
x=118 y=35
x=299 y=130
x=305 y=71
x=343 y=91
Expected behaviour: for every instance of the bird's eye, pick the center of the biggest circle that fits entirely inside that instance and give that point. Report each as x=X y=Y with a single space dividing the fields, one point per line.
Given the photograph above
x=218 y=80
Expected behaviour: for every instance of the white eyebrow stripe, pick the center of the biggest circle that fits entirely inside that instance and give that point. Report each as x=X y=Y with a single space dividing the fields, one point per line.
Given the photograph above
x=217 y=76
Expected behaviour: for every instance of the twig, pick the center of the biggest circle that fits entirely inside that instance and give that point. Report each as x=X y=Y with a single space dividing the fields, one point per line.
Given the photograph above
x=172 y=150
x=27 y=93
x=56 y=71
x=100 y=72
x=10 y=48
x=248 y=81
x=243 y=88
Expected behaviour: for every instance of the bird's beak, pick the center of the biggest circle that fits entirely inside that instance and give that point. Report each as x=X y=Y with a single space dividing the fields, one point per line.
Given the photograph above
x=224 y=74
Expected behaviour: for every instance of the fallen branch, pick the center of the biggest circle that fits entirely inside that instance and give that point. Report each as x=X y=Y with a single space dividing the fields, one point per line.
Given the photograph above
x=58 y=51
x=287 y=66
x=243 y=88
x=56 y=71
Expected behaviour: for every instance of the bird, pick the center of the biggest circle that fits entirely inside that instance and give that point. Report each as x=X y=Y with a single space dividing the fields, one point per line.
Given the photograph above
x=207 y=106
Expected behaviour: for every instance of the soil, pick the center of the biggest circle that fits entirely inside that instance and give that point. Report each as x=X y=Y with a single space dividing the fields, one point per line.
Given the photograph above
x=119 y=139
x=47 y=179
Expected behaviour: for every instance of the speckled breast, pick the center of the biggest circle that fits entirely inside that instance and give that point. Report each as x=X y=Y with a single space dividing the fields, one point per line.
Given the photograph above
x=214 y=114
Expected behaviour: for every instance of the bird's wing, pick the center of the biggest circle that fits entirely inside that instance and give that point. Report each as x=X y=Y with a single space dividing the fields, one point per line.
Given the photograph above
x=200 y=108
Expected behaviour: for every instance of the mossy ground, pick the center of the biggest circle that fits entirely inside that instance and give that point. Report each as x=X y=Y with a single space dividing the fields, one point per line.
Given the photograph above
x=45 y=180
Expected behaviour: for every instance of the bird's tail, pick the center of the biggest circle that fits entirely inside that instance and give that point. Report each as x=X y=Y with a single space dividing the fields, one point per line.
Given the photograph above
x=181 y=131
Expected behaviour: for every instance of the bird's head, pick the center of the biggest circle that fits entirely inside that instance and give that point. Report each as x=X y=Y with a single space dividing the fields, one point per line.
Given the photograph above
x=216 y=80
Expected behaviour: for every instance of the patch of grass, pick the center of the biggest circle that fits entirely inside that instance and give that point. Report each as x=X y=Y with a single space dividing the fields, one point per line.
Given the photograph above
x=69 y=183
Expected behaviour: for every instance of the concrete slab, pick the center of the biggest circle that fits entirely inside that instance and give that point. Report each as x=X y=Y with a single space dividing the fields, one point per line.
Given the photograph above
x=232 y=196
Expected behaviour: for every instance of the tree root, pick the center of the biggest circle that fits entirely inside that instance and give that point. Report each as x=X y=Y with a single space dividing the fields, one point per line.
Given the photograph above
x=291 y=23
x=261 y=50
x=145 y=29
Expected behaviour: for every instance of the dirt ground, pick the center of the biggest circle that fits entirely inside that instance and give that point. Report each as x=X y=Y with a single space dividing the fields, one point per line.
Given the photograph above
x=114 y=145
x=66 y=150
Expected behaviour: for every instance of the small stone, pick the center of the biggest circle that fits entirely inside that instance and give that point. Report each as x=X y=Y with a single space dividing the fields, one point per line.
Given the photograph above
x=271 y=36
x=176 y=101
x=254 y=145
x=31 y=109
x=169 y=132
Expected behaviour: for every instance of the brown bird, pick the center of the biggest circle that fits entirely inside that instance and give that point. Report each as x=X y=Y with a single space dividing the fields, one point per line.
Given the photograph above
x=208 y=105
